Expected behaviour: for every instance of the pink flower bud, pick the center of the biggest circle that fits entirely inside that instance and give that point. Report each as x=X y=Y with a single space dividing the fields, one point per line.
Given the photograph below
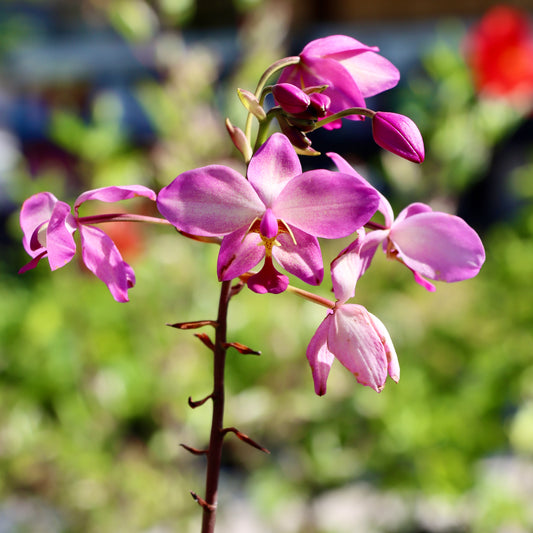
x=320 y=103
x=398 y=134
x=291 y=98
x=239 y=140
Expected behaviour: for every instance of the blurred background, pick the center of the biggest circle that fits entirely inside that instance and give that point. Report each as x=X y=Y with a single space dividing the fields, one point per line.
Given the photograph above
x=93 y=394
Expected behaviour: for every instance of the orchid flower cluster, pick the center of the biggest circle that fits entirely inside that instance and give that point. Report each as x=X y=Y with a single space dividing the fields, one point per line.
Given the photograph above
x=270 y=220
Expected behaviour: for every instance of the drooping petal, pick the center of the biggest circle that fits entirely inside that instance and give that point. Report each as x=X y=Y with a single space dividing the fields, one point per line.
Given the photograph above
x=301 y=258
x=319 y=356
x=353 y=340
x=393 y=367
x=384 y=206
x=35 y=211
x=59 y=240
x=273 y=165
x=209 y=201
x=239 y=252
x=439 y=246
x=326 y=204
x=372 y=73
x=103 y=259
x=114 y=194
x=268 y=279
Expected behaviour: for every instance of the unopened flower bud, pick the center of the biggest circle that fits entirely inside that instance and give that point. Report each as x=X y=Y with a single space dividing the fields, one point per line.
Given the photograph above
x=251 y=103
x=320 y=103
x=291 y=98
x=298 y=139
x=239 y=140
x=398 y=134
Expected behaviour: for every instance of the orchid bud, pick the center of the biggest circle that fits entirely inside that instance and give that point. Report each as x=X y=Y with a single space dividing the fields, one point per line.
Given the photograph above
x=251 y=103
x=295 y=135
x=291 y=98
x=240 y=140
x=398 y=134
x=320 y=103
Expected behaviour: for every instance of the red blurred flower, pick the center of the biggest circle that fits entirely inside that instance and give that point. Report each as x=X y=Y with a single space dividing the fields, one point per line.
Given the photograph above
x=499 y=51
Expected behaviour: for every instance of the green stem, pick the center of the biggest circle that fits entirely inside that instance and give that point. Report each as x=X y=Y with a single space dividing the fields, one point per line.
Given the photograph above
x=345 y=113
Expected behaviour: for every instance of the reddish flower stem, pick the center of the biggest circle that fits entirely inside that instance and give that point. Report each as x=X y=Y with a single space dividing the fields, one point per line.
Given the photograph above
x=214 y=452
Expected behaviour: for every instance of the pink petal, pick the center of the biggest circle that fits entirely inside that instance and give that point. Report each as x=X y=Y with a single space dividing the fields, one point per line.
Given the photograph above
x=335 y=46
x=372 y=73
x=59 y=240
x=303 y=259
x=33 y=263
x=114 y=194
x=384 y=206
x=353 y=340
x=35 y=211
x=272 y=167
x=103 y=259
x=268 y=279
x=326 y=204
x=353 y=261
x=208 y=201
x=439 y=246
x=393 y=367
x=319 y=357
x=239 y=252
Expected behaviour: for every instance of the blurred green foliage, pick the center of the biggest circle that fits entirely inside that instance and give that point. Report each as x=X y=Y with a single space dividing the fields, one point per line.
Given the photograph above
x=93 y=394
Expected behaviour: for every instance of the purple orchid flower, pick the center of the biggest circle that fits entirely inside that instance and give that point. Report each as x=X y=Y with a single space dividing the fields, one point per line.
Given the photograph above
x=277 y=213
x=351 y=334
x=432 y=244
x=48 y=226
x=352 y=71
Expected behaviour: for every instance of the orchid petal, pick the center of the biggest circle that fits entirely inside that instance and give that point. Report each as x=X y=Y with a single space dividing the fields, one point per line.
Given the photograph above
x=272 y=167
x=114 y=194
x=372 y=73
x=208 y=201
x=268 y=279
x=353 y=261
x=303 y=258
x=384 y=206
x=326 y=204
x=59 y=240
x=353 y=340
x=336 y=46
x=239 y=252
x=393 y=367
x=319 y=356
x=439 y=246
x=35 y=211
x=103 y=259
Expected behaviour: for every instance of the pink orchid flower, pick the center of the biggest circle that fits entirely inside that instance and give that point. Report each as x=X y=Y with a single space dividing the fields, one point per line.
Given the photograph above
x=432 y=244
x=352 y=71
x=351 y=334
x=277 y=213
x=48 y=226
